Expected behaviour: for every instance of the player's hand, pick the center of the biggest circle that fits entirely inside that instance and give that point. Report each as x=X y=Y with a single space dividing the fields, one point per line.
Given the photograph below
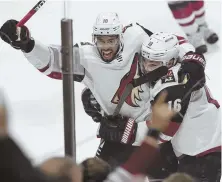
x=3 y=117
x=161 y=114
x=17 y=37
x=191 y=72
x=118 y=129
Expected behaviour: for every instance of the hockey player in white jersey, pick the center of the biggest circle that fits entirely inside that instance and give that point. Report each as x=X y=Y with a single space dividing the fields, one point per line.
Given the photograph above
x=104 y=66
x=108 y=149
x=195 y=133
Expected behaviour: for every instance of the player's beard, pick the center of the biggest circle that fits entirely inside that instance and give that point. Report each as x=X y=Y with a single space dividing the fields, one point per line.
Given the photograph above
x=109 y=54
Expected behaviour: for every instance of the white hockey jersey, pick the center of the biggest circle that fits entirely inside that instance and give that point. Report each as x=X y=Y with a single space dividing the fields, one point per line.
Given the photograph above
x=106 y=80
x=196 y=130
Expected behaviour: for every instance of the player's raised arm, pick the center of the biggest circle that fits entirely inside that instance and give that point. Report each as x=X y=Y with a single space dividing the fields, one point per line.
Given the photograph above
x=47 y=59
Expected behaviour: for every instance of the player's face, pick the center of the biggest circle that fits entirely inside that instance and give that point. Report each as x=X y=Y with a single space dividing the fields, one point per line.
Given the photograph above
x=107 y=46
x=150 y=65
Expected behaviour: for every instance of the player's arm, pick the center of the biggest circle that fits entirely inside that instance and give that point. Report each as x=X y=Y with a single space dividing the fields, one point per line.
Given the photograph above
x=184 y=46
x=47 y=59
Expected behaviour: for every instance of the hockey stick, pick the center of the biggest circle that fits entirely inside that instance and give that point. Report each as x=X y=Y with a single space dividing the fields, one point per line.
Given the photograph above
x=31 y=13
x=26 y=18
x=189 y=91
x=149 y=77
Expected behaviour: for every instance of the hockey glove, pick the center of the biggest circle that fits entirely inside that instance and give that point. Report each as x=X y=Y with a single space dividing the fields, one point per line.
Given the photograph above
x=118 y=129
x=17 y=37
x=192 y=71
x=91 y=106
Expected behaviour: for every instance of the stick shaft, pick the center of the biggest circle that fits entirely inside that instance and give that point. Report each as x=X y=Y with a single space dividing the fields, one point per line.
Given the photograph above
x=31 y=13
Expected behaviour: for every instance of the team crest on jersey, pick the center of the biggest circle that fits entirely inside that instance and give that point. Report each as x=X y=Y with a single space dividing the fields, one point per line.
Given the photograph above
x=134 y=96
x=168 y=78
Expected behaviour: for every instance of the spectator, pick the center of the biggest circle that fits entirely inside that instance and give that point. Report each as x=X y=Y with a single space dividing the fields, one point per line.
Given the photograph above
x=95 y=170
x=179 y=177
x=63 y=168
x=15 y=166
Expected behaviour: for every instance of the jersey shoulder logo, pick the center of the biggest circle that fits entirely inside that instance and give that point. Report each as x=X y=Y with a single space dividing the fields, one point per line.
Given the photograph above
x=134 y=96
x=168 y=78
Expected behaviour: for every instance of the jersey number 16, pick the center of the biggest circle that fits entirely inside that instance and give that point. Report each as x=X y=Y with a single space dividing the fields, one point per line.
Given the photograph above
x=175 y=105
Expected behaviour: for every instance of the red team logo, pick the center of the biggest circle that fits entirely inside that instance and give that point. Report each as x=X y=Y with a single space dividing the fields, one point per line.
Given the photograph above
x=127 y=78
x=169 y=77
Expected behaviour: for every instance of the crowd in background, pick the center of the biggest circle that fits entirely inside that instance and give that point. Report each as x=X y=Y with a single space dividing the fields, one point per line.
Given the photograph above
x=16 y=167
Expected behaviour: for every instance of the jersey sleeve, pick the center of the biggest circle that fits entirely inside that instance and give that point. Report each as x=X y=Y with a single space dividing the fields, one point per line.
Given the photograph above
x=178 y=98
x=137 y=166
x=48 y=60
x=184 y=46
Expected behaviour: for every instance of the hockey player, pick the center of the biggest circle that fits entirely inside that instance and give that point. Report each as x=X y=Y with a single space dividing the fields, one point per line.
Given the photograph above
x=190 y=15
x=108 y=147
x=105 y=67
x=107 y=150
x=195 y=132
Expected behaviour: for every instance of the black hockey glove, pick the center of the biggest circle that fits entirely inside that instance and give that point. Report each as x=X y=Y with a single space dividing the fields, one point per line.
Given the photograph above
x=192 y=67
x=91 y=106
x=17 y=37
x=118 y=129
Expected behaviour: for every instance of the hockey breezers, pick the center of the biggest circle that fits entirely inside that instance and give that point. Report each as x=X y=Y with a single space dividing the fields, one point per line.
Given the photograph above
x=149 y=77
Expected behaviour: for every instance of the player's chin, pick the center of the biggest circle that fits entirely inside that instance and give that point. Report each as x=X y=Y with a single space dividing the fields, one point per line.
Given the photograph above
x=109 y=58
